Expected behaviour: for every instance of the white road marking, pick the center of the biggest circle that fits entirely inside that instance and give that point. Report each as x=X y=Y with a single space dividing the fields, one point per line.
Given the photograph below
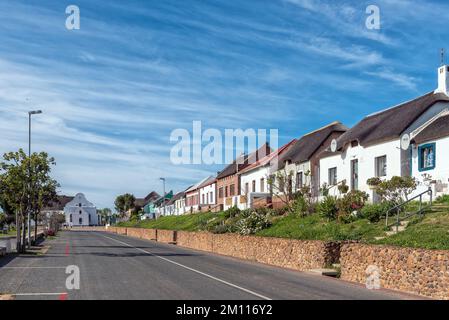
x=193 y=270
x=39 y=294
x=33 y=267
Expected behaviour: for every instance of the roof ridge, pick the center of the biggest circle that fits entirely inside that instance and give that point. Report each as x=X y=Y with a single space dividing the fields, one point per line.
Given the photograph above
x=398 y=105
x=322 y=128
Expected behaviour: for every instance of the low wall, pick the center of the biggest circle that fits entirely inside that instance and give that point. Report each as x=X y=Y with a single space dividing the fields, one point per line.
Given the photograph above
x=10 y=243
x=417 y=271
x=166 y=236
x=287 y=253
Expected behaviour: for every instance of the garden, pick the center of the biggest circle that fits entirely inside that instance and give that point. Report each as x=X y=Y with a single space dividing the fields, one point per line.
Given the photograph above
x=348 y=216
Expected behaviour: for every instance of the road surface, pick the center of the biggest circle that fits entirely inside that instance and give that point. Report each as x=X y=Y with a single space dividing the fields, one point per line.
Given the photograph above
x=117 y=267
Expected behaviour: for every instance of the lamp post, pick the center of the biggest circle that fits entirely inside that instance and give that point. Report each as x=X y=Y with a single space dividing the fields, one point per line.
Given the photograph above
x=163 y=199
x=30 y=113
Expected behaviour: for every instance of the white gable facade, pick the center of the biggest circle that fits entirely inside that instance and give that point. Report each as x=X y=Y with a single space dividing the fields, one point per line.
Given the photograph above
x=208 y=194
x=81 y=212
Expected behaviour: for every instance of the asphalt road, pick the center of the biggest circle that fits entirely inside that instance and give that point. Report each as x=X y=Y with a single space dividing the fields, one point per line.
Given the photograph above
x=117 y=267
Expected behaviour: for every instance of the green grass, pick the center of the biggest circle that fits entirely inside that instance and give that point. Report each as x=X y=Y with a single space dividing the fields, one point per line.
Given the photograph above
x=316 y=228
x=9 y=234
x=189 y=222
x=428 y=232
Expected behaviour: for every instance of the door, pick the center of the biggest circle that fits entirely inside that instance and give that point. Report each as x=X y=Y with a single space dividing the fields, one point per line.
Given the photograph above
x=355 y=174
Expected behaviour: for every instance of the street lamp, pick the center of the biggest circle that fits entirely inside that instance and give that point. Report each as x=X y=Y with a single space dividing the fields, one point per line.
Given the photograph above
x=30 y=113
x=163 y=199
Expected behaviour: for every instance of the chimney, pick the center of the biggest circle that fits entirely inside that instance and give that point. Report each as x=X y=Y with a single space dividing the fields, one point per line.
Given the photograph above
x=443 y=80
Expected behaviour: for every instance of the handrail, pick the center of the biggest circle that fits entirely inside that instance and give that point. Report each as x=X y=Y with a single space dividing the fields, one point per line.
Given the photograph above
x=335 y=185
x=421 y=209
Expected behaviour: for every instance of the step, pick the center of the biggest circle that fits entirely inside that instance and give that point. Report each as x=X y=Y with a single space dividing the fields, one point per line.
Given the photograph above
x=325 y=272
x=379 y=238
x=404 y=223
x=398 y=229
x=390 y=233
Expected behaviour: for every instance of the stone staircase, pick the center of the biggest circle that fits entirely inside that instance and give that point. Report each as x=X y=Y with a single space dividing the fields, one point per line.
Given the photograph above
x=395 y=229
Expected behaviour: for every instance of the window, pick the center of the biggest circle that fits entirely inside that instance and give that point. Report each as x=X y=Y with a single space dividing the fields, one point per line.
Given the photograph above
x=299 y=180
x=80 y=205
x=426 y=157
x=246 y=188
x=262 y=185
x=253 y=186
x=211 y=197
x=226 y=191
x=203 y=199
x=70 y=217
x=231 y=190
x=81 y=212
x=220 y=192
x=381 y=166
x=80 y=220
x=354 y=174
x=332 y=180
x=281 y=184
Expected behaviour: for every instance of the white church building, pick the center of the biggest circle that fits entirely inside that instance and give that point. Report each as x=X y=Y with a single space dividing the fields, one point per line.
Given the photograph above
x=81 y=212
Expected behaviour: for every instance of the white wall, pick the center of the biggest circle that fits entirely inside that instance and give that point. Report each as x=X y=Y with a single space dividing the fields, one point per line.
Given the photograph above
x=441 y=171
x=80 y=207
x=367 y=168
x=206 y=191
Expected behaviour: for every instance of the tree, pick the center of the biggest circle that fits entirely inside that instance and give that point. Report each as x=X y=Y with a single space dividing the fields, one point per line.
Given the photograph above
x=105 y=214
x=26 y=186
x=43 y=187
x=124 y=203
x=395 y=190
x=281 y=187
x=14 y=184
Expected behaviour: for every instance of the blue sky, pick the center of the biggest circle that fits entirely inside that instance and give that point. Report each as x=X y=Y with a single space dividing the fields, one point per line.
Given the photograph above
x=113 y=91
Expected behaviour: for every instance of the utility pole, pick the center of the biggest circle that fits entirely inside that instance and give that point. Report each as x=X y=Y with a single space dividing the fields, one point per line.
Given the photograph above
x=30 y=113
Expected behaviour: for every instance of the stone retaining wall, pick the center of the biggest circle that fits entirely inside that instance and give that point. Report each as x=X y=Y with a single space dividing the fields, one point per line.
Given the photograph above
x=166 y=236
x=417 y=271
x=293 y=254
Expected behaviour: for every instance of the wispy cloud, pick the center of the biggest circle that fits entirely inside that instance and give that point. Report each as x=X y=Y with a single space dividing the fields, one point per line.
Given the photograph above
x=113 y=91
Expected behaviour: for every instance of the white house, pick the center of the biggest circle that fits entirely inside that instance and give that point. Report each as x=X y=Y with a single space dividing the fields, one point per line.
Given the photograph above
x=193 y=196
x=430 y=154
x=208 y=192
x=80 y=212
x=301 y=161
x=254 y=178
x=379 y=145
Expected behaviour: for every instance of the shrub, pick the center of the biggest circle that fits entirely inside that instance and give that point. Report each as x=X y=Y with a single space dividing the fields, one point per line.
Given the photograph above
x=375 y=212
x=252 y=224
x=303 y=205
x=328 y=208
x=219 y=229
x=443 y=199
x=232 y=212
x=343 y=188
x=396 y=189
x=350 y=202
